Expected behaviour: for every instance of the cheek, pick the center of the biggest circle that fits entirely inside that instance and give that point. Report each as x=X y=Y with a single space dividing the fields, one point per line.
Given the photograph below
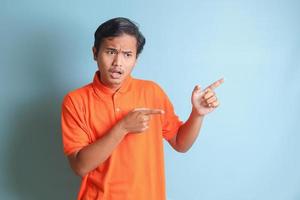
x=129 y=67
x=104 y=62
x=131 y=63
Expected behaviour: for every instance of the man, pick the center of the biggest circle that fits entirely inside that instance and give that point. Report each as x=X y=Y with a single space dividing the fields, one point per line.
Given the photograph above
x=113 y=128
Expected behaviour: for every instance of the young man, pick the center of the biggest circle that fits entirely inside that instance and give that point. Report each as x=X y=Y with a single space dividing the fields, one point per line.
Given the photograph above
x=113 y=128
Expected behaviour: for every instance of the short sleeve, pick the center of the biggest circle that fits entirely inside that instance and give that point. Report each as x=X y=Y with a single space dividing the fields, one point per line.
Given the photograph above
x=74 y=133
x=170 y=121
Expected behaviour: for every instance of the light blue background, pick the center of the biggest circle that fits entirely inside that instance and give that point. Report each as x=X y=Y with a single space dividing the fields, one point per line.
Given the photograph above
x=248 y=148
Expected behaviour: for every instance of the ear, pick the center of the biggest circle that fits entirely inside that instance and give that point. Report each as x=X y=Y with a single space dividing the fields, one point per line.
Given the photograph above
x=95 y=53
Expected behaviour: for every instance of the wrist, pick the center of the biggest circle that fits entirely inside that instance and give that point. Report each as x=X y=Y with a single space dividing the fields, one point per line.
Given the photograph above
x=195 y=113
x=121 y=129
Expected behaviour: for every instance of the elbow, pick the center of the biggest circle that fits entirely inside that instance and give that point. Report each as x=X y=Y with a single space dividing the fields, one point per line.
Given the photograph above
x=182 y=150
x=179 y=146
x=77 y=165
x=182 y=147
x=80 y=172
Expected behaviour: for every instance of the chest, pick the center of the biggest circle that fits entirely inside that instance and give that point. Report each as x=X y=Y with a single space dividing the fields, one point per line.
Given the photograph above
x=103 y=114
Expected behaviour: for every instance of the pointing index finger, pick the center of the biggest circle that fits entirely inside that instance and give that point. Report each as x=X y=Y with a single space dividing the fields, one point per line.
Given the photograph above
x=150 y=111
x=216 y=84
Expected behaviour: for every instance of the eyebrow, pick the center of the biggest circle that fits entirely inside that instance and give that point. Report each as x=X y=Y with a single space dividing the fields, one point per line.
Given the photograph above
x=113 y=49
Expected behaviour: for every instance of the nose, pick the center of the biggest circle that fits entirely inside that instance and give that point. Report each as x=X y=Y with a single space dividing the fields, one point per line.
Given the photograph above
x=117 y=60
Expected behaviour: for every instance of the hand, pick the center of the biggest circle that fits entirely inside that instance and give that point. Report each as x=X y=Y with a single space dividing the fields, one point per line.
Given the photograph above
x=137 y=120
x=205 y=101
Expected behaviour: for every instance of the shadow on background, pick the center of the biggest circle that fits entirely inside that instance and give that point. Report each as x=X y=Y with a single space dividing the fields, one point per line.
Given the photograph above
x=37 y=168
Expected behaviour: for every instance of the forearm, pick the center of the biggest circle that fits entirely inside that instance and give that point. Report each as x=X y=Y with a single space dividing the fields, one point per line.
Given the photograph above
x=188 y=132
x=91 y=156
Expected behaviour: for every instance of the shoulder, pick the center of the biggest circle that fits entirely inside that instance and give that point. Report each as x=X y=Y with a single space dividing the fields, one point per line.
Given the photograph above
x=147 y=84
x=150 y=89
x=79 y=95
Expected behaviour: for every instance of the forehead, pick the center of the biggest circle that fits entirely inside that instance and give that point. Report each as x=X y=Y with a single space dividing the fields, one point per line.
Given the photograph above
x=124 y=42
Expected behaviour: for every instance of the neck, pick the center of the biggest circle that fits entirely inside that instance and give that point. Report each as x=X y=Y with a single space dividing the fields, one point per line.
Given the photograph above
x=113 y=87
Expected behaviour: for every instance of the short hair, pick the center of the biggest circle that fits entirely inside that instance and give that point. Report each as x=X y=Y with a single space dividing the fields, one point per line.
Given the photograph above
x=116 y=27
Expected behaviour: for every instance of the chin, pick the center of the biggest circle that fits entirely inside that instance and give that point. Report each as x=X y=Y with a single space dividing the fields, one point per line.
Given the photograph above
x=116 y=82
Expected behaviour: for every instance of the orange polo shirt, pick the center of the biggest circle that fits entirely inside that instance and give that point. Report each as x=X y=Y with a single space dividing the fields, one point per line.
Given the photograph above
x=135 y=169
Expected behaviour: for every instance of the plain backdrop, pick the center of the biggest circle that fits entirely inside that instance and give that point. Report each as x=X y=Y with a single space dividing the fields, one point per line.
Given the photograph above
x=248 y=148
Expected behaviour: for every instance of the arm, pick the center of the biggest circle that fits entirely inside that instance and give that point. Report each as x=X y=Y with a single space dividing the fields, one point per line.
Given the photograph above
x=91 y=156
x=203 y=103
x=187 y=133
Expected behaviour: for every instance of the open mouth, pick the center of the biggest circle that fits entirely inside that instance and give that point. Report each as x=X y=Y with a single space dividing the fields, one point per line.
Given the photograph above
x=115 y=73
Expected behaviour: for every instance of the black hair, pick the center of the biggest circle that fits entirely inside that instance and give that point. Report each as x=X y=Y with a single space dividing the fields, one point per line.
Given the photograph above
x=116 y=27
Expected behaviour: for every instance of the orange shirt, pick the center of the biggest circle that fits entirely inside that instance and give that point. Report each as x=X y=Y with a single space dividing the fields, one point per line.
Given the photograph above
x=135 y=169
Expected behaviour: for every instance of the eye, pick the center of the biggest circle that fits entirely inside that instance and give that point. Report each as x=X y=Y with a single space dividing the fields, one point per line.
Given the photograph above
x=128 y=54
x=111 y=52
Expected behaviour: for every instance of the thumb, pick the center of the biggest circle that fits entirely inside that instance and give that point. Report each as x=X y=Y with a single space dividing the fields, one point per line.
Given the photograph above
x=197 y=89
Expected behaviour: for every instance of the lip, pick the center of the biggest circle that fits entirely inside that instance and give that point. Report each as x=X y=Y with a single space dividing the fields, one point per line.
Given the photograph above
x=116 y=70
x=115 y=75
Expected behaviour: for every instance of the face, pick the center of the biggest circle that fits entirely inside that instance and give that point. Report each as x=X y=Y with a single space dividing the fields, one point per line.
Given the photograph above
x=116 y=58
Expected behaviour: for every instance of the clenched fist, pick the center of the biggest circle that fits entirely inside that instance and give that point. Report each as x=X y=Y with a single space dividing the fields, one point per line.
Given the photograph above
x=137 y=121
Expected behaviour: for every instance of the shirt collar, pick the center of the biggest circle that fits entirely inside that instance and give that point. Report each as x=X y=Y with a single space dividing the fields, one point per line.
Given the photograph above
x=100 y=88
